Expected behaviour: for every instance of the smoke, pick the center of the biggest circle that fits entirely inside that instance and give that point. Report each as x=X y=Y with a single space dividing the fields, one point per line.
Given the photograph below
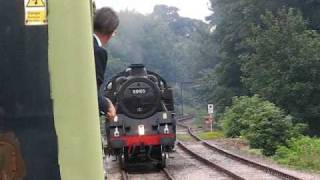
x=127 y=44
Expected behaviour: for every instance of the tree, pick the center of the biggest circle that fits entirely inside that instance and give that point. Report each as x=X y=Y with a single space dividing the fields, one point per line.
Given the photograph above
x=284 y=65
x=310 y=11
x=231 y=21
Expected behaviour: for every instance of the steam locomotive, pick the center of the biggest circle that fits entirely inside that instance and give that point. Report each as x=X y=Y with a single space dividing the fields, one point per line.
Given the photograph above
x=145 y=128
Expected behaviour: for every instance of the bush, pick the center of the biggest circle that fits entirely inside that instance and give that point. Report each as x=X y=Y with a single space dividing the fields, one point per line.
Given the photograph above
x=263 y=124
x=302 y=152
x=234 y=120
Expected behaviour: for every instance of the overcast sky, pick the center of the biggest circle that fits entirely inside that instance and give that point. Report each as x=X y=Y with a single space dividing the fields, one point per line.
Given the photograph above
x=197 y=9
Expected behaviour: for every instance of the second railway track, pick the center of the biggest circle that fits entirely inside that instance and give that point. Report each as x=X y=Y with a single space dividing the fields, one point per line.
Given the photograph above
x=233 y=165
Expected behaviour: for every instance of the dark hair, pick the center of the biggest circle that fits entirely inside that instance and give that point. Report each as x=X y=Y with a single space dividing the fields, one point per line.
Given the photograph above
x=105 y=21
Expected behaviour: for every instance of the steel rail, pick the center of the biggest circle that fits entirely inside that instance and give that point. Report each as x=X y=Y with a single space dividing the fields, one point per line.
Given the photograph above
x=241 y=159
x=209 y=163
x=168 y=174
x=185 y=117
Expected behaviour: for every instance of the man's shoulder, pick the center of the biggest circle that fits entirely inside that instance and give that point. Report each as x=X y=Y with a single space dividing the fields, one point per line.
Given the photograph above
x=100 y=54
x=100 y=50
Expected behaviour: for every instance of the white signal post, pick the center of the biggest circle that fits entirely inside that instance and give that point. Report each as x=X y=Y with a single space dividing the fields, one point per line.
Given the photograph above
x=210 y=112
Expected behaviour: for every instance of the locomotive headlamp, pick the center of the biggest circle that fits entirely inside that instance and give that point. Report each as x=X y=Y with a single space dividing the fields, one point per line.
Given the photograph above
x=164 y=116
x=166 y=129
x=116 y=132
x=141 y=130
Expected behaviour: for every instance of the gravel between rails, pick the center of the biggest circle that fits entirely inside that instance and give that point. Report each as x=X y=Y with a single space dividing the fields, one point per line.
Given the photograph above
x=186 y=167
x=144 y=172
x=147 y=176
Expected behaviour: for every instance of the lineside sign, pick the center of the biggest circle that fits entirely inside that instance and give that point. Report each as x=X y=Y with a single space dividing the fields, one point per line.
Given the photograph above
x=35 y=12
x=210 y=108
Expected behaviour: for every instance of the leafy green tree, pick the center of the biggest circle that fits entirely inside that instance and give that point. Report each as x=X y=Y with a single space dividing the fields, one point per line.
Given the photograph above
x=280 y=74
x=231 y=22
x=263 y=124
x=310 y=11
x=284 y=65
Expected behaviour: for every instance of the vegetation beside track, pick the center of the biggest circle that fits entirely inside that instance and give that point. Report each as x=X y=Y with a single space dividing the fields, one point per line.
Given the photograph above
x=262 y=123
x=269 y=129
x=210 y=135
x=302 y=152
x=184 y=137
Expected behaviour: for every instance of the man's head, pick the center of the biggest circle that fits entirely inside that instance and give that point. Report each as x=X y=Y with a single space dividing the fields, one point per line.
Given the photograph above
x=105 y=23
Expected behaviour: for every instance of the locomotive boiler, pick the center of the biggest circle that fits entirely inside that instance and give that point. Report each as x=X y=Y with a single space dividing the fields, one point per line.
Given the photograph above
x=145 y=128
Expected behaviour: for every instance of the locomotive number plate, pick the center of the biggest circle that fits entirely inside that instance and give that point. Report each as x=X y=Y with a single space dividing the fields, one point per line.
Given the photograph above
x=139 y=91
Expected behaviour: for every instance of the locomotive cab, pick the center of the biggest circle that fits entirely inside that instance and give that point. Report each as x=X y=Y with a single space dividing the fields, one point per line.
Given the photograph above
x=145 y=127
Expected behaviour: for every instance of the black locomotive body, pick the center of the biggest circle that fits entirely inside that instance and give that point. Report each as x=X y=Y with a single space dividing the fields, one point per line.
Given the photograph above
x=145 y=127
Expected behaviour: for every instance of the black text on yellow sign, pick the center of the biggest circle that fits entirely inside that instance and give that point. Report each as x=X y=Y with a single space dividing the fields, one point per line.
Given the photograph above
x=36 y=16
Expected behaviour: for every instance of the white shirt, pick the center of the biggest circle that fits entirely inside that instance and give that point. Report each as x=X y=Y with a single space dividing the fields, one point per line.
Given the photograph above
x=98 y=40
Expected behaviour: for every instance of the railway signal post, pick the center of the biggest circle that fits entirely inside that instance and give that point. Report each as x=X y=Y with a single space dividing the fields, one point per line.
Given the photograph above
x=210 y=112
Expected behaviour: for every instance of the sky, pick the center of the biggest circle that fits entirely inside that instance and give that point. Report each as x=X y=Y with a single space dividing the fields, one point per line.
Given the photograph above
x=196 y=9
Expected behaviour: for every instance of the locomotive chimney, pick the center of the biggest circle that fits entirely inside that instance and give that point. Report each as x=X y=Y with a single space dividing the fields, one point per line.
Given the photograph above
x=137 y=70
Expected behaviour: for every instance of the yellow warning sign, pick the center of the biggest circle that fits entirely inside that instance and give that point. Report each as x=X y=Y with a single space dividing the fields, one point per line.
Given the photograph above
x=36 y=17
x=35 y=12
x=35 y=3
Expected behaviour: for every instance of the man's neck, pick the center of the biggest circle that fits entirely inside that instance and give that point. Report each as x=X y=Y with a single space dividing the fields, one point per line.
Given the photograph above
x=103 y=38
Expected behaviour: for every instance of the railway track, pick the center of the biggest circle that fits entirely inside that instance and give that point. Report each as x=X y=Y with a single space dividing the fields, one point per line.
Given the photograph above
x=233 y=165
x=185 y=118
x=163 y=173
x=209 y=163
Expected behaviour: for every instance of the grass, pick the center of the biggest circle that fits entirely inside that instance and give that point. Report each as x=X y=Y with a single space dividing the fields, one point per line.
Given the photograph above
x=257 y=152
x=302 y=153
x=211 y=135
x=184 y=137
